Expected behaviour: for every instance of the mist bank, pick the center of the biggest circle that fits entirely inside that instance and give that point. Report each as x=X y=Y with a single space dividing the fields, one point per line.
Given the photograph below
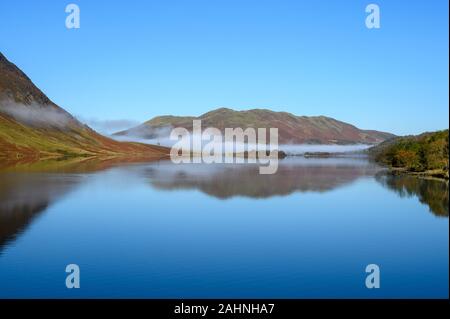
x=37 y=114
x=107 y=127
x=289 y=149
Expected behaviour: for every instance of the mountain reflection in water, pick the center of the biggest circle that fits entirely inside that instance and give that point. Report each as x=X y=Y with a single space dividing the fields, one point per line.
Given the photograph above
x=293 y=175
x=26 y=195
x=432 y=192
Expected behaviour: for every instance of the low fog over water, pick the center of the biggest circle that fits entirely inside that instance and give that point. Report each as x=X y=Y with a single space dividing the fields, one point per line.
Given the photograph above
x=289 y=149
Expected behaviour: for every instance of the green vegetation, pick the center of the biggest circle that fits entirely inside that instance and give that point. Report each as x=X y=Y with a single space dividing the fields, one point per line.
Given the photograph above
x=22 y=142
x=425 y=153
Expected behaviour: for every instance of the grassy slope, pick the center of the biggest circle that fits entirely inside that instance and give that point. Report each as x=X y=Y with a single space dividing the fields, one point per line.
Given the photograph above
x=18 y=141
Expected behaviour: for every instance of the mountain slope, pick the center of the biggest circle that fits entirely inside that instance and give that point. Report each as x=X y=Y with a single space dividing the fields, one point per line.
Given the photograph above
x=291 y=128
x=31 y=125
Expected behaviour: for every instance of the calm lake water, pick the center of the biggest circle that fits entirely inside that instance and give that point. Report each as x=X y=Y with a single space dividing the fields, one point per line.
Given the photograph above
x=159 y=230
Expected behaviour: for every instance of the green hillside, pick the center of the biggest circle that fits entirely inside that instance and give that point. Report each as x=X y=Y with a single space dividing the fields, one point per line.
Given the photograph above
x=425 y=153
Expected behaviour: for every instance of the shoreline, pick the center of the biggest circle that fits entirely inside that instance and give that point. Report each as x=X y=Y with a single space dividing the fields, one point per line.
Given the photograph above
x=430 y=174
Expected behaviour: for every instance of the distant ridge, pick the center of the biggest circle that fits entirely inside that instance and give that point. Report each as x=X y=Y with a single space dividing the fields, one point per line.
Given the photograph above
x=292 y=129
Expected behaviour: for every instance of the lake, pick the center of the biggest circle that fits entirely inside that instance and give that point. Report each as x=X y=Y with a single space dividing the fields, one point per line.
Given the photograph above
x=160 y=230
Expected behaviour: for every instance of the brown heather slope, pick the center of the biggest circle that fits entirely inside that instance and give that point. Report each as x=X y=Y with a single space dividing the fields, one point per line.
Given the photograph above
x=292 y=129
x=32 y=126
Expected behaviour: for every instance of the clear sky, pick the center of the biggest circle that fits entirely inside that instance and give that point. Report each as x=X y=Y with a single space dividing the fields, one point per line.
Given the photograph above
x=132 y=60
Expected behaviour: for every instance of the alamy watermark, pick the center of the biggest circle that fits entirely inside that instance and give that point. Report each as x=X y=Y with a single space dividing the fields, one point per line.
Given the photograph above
x=373 y=19
x=73 y=19
x=73 y=279
x=373 y=279
x=236 y=146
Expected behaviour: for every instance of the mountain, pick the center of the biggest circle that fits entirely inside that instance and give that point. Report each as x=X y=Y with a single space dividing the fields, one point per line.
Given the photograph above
x=32 y=126
x=292 y=129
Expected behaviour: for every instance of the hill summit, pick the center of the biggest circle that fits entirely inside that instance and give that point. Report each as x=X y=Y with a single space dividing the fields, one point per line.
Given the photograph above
x=292 y=129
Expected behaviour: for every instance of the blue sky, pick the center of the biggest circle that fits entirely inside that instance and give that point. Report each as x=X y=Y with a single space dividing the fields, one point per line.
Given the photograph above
x=138 y=59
